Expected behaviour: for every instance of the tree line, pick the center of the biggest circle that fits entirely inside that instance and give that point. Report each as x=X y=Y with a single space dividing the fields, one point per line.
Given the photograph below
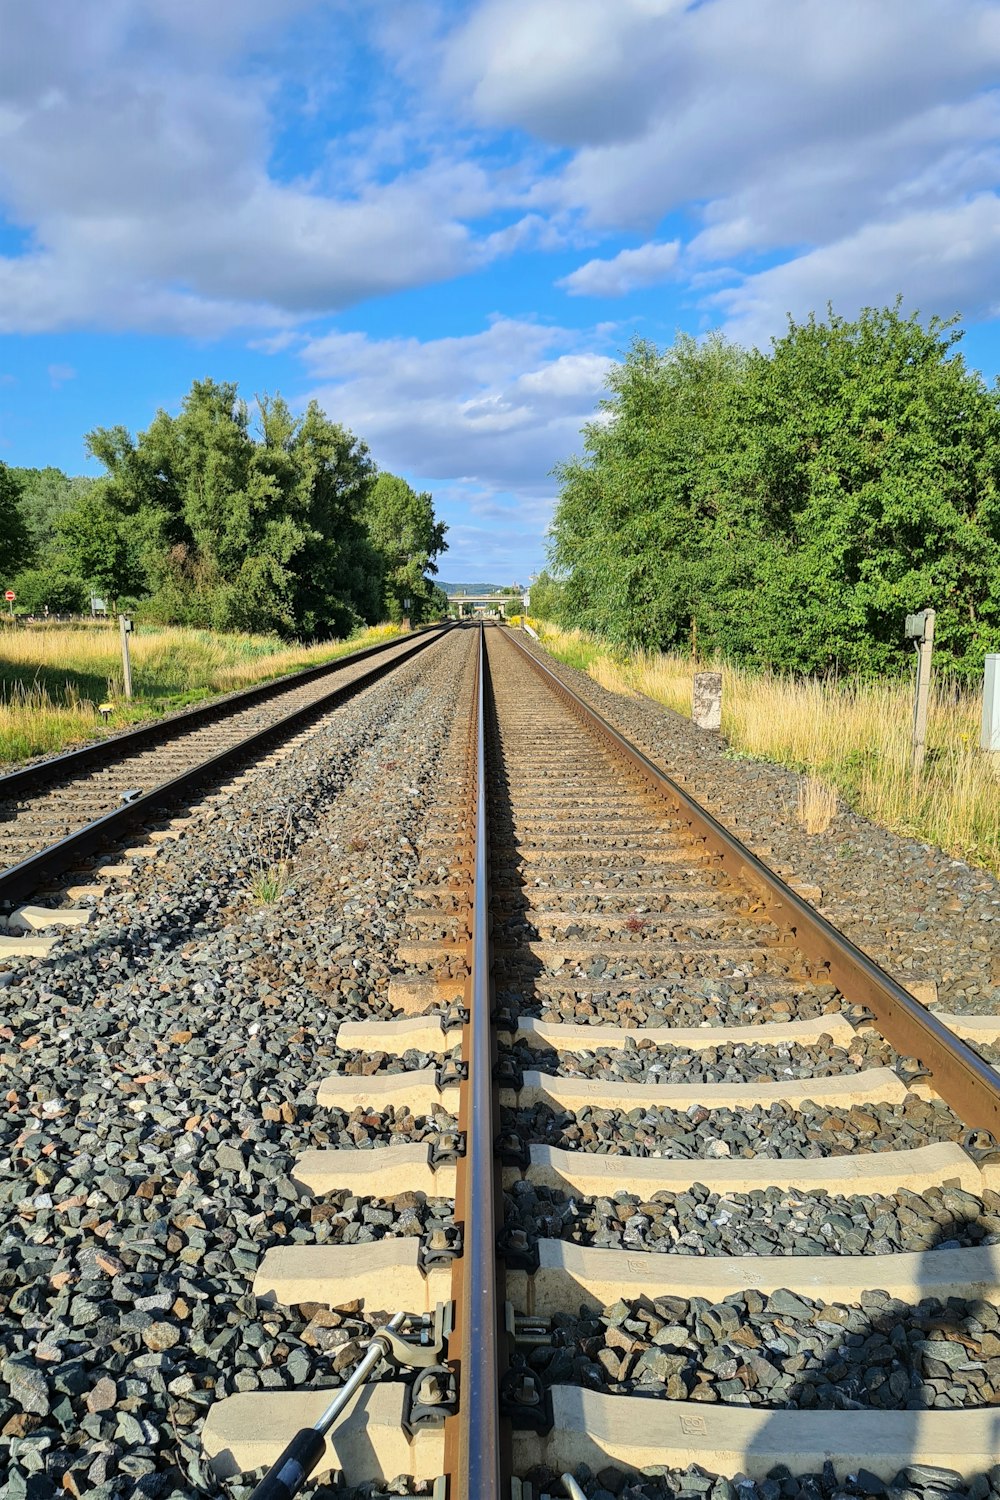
x=788 y=508
x=275 y=524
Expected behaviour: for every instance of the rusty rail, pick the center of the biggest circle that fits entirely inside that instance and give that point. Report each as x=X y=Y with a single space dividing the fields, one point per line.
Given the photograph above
x=473 y=1438
x=959 y=1074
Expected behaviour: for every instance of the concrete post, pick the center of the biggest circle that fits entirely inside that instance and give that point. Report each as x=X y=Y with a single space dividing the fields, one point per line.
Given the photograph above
x=925 y=649
x=125 y=625
x=706 y=700
x=990 y=737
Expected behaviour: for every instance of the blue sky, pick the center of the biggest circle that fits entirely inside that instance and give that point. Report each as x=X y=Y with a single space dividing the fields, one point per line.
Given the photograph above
x=445 y=219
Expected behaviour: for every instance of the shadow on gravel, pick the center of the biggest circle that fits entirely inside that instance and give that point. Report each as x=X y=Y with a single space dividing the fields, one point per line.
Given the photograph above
x=894 y=1364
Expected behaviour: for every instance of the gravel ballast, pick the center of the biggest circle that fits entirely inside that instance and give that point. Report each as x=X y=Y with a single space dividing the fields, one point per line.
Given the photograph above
x=775 y=1131
x=161 y=1068
x=700 y=1222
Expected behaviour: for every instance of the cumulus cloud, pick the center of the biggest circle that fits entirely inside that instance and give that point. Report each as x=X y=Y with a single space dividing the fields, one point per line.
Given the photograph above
x=624 y=272
x=943 y=259
x=139 y=162
x=482 y=418
x=865 y=119
x=498 y=407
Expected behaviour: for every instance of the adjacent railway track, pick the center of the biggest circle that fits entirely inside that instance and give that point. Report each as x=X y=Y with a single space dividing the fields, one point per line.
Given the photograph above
x=620 y=1024
x=59 y=811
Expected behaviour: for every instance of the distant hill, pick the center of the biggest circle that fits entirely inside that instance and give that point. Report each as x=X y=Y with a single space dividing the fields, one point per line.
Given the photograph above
x=468 y=588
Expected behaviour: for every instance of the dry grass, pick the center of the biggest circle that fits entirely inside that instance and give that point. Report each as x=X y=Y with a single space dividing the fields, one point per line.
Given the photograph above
x=817 y=804
x=52 y=677
x=853 y=736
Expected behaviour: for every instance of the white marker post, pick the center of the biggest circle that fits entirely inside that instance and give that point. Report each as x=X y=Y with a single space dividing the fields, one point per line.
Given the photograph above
x=125 y=625
x=706 y=700
x=990 y=737
x=920 y=629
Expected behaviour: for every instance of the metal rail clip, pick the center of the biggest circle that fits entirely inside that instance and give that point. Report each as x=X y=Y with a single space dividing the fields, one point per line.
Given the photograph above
x=507 y=1073
x=526 y=1401
x=504 y=1018
x=431 y=1399
x=982 y=1146
x=448 y=1146
x=520 y=1253
x=452 y=1070
x=512 y=1150
x=440 y=1247
x=911 y=1070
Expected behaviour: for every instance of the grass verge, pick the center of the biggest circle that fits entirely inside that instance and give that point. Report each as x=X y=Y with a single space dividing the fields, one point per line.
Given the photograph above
x=53 y=677
x=853 y=737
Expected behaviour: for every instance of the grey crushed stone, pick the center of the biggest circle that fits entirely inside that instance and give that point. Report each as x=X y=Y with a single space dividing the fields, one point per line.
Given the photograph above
x=781 y=1351
x=162 y=1067
x=699 y=1222
x=776 y=1130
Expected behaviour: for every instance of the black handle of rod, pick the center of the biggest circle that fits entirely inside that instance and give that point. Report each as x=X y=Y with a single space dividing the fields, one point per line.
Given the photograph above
x=288 y=1474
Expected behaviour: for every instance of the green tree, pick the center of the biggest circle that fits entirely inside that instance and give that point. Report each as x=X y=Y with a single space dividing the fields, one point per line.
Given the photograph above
x=403 y=531
x=102 y=548
x=547 y=597
x=790 y=507
x=45 y=495
x=628 y=528
x=51 y=588
x=17 y=542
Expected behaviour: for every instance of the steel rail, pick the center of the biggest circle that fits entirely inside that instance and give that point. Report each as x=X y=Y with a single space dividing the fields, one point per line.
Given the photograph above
x=959 y=1074
x=473 y=1437
x=57 y=768
x=22 y=879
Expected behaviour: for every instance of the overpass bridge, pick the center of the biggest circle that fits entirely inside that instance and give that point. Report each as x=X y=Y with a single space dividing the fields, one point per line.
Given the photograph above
x=485 y=604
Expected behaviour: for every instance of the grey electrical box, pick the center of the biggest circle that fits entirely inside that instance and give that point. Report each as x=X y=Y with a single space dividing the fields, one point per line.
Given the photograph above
x=126 y=624
x=916 y=626
x=990 y=737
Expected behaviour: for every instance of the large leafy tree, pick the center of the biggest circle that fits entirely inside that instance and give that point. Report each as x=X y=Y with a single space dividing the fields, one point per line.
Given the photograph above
x=403 y=531
x=628 y=529
x=17 y=541
x=790 y=507
x=102 y=548
x=251 y=520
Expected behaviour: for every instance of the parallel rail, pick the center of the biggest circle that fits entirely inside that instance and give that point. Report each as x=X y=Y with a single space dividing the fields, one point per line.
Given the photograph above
x=959 y=1075
x=473 y=1442
x=22 y=879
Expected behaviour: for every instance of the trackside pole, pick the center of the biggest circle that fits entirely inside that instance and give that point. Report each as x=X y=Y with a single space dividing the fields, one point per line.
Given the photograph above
x=125 y=626
x=920 y=629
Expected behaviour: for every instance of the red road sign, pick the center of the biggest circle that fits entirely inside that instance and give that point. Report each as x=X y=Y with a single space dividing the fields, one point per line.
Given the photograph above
x=10 y=596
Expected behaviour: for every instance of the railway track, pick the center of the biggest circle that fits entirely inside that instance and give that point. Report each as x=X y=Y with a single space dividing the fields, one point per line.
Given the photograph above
x=57 y=812
x=675 y=1116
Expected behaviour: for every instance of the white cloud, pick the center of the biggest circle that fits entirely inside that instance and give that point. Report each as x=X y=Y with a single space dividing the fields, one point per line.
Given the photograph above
x=59 y=374
x=943 y=260
x=481 y=419
x=624 y=272
x=788 y=128
x=499 y=407
x=136 y=153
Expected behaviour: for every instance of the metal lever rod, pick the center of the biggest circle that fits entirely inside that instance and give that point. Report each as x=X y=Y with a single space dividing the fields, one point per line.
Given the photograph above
x=289 y=1472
